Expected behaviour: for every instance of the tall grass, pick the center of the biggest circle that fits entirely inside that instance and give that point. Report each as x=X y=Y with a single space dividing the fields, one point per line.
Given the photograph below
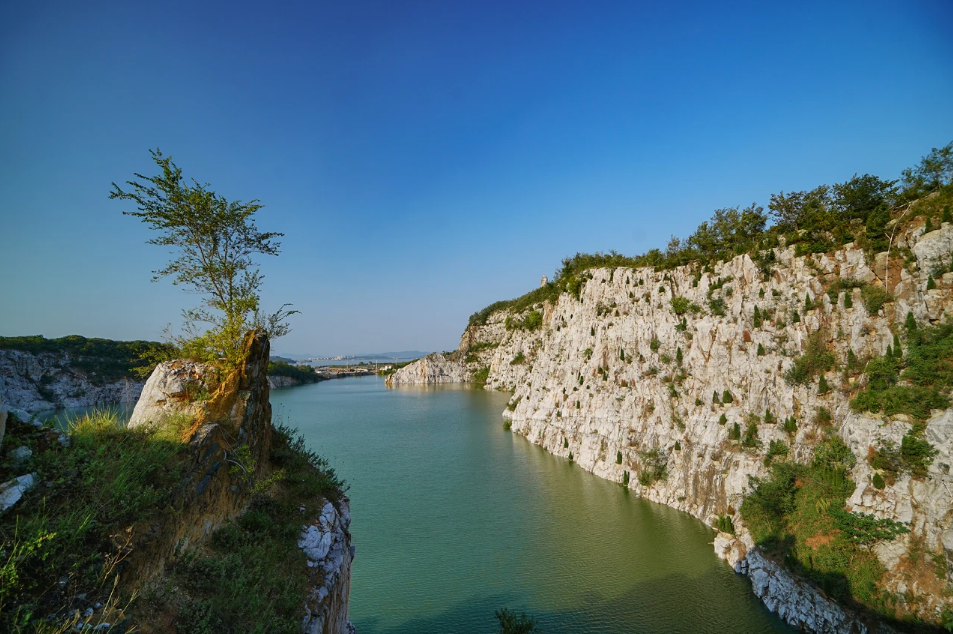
x=62 y=543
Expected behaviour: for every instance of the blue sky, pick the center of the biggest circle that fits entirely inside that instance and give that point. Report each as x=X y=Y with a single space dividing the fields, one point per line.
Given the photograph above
x=427 y=158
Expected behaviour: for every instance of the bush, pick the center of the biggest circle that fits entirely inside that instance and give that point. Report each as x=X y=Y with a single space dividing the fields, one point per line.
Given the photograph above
x=788 y=511
x=926 y=371
x=507 y=425
x=761 y=351
x=479 y=378
x=751 y=436
x=790 y=425
x=680 y=305
x=618 y=457
x=816 y=359
x=878 y=481
x=726 y=397
x=518 y=359
x=874 y=298
x=715 y=399
x=722 y=420
x=822 y=386
x=654 y=466
x=724 y=524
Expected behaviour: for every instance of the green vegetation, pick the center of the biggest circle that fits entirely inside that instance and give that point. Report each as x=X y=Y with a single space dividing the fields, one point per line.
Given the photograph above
x=681 y=305
x=874 y=298
x=102 y=360
x=726 y=397
x=654 y=466
x=790 y=425
x=914 y=456
x=618 y=457
x=250 y=576
x=518 y=359
x=532 y=321
x=64 y=546
x=722 y=420
x=512 y=624
x=724 y=524
x=214 y=240
x=507 y=425
x=797 y=516
x=108 y=479
x=303 y=373
x=815 y=360
x=480 y=376
x=915 y=382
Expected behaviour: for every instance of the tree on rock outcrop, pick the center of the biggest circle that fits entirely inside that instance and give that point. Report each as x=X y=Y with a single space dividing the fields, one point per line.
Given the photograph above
x=214 y=241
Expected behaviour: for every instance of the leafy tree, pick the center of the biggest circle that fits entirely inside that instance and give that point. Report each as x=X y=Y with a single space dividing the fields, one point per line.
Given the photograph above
x=214 y=241
x=861 y=195
x=934 y=171
x=809 y=210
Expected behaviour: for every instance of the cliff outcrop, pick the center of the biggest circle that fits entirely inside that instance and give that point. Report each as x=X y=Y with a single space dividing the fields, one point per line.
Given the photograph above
x=32 y=383
x=650 y=378
x=194 y=505
x=432 y=369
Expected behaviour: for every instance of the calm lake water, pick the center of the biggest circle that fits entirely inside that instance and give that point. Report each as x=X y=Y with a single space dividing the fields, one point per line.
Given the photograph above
x=453 y=518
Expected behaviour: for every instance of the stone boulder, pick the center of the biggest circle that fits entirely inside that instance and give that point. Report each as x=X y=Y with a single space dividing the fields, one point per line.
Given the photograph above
x=174 y=388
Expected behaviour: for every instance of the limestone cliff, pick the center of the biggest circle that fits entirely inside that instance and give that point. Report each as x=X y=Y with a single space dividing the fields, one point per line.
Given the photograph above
x=35 y=382
x=627 y=386
x=434 y=368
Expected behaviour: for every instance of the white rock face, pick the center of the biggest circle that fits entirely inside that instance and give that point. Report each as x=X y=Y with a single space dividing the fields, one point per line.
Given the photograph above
x=434 y=368
x=12 y=491
x=33 y=383
x=603 y=376
x=173 y=388
x=326 y=544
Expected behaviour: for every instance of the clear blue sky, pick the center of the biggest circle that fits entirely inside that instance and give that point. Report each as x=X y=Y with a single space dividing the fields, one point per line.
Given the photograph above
x=428 y=158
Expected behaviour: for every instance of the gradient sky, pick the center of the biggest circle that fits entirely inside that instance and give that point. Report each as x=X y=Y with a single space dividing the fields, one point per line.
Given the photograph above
x=427 y=158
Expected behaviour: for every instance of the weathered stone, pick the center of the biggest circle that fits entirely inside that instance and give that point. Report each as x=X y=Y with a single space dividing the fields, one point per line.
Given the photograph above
x=173 y=388
x=13 y=490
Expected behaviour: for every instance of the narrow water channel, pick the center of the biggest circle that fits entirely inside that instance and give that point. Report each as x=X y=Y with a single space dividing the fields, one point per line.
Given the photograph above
x=454 y=518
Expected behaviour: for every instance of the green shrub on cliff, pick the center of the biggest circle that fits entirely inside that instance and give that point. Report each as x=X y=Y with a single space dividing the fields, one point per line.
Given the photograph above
x=815 y=360
x=913 y=383
x=797 y=514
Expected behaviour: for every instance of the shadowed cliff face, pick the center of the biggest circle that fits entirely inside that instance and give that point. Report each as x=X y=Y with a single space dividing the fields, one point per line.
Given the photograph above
x=634 y=385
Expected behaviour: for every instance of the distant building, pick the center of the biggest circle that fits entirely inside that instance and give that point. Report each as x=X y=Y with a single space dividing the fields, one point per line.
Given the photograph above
x=543 y=282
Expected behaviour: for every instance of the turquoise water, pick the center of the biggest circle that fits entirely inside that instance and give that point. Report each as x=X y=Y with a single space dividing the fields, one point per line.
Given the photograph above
x=454 y=518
